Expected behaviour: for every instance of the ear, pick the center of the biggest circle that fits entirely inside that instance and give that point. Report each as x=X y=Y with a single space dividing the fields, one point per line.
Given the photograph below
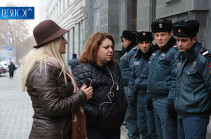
x=194 y=39
x=170 y=34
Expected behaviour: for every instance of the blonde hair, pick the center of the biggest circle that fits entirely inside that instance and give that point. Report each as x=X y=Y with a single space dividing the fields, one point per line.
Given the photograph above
x=50 y=49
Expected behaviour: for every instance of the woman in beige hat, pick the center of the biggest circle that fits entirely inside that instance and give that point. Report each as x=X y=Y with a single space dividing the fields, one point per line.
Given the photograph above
x=53 y=91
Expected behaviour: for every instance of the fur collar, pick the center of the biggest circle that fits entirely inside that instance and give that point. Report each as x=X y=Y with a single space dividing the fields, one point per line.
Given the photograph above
x=130 y=46
x=192 y=53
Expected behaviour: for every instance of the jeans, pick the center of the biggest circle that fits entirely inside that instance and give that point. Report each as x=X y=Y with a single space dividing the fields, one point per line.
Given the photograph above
x=131 y=119
x=96 y=134
x=166 y=127
x=193 y=127
x=145 y=118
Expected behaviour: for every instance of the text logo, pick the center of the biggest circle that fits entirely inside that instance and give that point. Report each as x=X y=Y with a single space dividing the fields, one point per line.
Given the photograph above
x=16 y=12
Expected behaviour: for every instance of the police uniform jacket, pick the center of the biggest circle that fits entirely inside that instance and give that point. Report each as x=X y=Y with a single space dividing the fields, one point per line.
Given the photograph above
x=139 y=75
x=192 y=96
x=126 y=62
x=162 y=78
x=106 y=109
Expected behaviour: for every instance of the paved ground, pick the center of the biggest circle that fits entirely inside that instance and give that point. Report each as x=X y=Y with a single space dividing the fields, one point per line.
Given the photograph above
x=16 y=110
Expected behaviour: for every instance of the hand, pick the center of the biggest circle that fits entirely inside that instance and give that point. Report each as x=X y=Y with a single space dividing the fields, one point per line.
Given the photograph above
x=88 y=91
x=171 y=111
x=149 y=104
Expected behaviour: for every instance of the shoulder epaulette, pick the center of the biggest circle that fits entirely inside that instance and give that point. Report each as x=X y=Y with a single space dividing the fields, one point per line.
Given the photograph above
x=135 y=48
x=205 y=53
x=176 y=47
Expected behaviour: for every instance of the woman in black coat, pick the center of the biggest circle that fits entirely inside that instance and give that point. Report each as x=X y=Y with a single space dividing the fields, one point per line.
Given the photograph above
x=105 y=111
x=12 y=69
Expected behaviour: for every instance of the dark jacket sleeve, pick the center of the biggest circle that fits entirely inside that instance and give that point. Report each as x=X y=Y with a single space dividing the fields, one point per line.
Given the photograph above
x=46 y=87
x=81 y=73
x=173 y=66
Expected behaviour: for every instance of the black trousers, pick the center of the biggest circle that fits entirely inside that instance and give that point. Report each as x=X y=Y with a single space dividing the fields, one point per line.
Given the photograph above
x=11 y=74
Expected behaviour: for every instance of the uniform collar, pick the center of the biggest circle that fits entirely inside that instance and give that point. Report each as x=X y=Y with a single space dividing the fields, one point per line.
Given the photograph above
x=146 y=55
x=192 y=53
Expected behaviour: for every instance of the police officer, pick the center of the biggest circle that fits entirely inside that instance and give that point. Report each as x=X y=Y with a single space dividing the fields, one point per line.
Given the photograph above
x=138 y=85
x=162 y=80
x=126 y=61
x=192 y=97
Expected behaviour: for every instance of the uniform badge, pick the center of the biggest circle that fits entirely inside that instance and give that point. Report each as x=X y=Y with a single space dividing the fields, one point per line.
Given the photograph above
x=179 y=30
x=160 y=25
x=194 y=63
x=163 y=54
x=209 y=67
x=178 y=64
x=136 y=63
x=144 y=34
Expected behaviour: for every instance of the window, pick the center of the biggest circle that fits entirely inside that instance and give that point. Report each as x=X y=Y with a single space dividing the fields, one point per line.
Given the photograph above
x=131 y=14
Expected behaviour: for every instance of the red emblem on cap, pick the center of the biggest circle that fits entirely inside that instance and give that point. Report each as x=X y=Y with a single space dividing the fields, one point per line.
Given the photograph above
x=179 y=30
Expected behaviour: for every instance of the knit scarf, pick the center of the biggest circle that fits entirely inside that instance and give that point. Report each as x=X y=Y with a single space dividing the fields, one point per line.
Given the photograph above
x=78 y=117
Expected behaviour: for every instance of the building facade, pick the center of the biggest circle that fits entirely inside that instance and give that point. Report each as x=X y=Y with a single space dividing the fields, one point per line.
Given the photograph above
x=70 y=15
x=83 y=17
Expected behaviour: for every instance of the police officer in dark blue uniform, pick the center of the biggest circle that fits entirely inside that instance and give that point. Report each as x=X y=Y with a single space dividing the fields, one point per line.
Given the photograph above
x=138 y=85
x=126 y=62
x=193 y=90
x=162 y=80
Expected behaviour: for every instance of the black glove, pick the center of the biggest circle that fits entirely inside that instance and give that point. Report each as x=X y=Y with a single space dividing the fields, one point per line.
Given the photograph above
x=171 y=111
x=131 y=102
x=149 y=104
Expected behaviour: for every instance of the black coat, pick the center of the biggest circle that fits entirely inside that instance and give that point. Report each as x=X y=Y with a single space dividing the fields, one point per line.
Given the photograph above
x=106 y=109
x=12 y=68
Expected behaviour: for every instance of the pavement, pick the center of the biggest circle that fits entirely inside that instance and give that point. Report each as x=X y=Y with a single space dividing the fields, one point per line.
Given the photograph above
x=16 y=110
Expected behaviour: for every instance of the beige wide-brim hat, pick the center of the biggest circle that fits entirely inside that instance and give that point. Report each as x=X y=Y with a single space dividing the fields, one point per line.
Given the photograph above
x=47 y=31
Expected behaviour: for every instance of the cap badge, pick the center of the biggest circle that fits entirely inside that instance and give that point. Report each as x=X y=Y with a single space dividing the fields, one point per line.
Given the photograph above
x=160 y=25
x=179 y=30
x=144 y=34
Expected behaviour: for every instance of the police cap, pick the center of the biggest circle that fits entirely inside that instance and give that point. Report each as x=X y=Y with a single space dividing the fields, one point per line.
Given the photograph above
x=161 y=26
x=186 y=28
x=129 y=35
x=144 y=36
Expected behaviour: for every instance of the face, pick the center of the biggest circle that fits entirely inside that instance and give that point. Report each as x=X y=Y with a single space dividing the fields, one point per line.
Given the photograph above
x=105 y=52
x=125 y=42
x=144 y=46
x=162 y=38
x=185 y=43
x=62 y=48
